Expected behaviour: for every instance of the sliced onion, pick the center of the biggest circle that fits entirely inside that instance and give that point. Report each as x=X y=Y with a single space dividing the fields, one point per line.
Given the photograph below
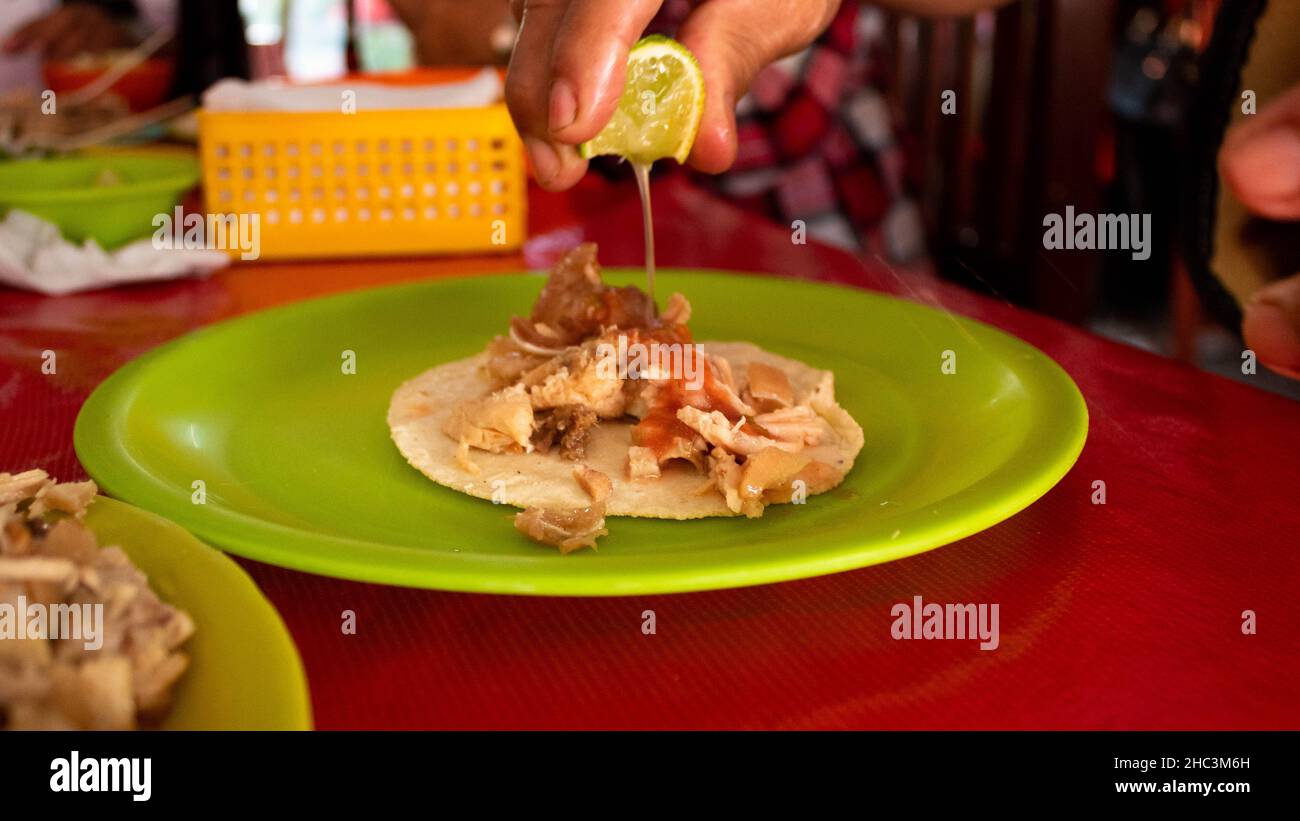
x=531 y=347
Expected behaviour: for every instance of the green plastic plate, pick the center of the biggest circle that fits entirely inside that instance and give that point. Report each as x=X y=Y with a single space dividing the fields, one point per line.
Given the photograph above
x=244 y=671
x=298 y=470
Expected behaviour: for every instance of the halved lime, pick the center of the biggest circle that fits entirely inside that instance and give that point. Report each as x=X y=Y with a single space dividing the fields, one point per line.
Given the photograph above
x=659 y=112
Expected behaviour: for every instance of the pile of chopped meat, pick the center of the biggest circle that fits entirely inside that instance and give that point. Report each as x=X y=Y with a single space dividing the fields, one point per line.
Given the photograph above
x=552 y=385
x=28 y=126
x=118 y=670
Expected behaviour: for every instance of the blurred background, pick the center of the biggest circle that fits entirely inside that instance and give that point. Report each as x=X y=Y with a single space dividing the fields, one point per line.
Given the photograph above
x=1093 y=97
x=1091 y=109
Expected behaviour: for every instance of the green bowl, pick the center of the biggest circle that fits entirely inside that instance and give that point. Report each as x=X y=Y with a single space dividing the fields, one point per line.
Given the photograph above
x=110 y=198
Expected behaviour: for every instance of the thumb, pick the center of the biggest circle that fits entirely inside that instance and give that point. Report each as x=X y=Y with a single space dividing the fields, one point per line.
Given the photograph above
x=734 y=40
x=1271 y=326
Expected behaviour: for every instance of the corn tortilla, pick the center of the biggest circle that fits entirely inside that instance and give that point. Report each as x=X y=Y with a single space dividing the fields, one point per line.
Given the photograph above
x=420 y=406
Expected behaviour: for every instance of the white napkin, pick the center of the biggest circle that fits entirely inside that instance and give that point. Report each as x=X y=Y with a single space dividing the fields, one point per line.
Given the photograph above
x=35 y=256
x=482 y=89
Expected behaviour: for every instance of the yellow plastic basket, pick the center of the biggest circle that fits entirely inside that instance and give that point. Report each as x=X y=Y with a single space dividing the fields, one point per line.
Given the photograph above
x=369 y=183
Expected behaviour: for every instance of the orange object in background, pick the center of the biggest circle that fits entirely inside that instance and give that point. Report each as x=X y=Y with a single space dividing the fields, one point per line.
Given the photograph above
x=421 y=75
x=144 y=87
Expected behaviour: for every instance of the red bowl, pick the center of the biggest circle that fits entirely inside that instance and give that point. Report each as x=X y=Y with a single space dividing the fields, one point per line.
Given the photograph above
x=143 y=87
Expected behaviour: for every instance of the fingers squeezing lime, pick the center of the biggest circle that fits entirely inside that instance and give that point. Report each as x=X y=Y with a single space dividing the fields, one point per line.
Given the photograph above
x=659 y=112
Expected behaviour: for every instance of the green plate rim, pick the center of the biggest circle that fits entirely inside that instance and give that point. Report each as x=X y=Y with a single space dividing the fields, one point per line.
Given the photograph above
x=182 y=177
x=107 y=460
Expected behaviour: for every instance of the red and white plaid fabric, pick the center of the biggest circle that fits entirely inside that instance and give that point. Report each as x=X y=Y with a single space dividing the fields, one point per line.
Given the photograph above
x=817 y=141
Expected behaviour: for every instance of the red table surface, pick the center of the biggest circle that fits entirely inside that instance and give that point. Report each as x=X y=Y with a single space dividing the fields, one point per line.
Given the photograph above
x=1122 y=615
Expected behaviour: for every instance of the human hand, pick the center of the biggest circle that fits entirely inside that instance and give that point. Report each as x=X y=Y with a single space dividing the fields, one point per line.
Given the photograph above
x=1260 y=162
x=567 y=69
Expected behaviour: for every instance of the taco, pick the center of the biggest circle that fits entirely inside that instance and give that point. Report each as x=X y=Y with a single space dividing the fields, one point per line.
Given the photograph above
x=600 y=404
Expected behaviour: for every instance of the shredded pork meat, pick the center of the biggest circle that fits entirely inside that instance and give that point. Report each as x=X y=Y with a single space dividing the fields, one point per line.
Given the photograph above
x=576 y=378
x=642 y=463
x=568 y=529
x=769 y=388
x=52 y=563
x=565 y=427
x=719 y=431
x=576 y=304
x=597 y=484
x=552 y=388
x=797 y=425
